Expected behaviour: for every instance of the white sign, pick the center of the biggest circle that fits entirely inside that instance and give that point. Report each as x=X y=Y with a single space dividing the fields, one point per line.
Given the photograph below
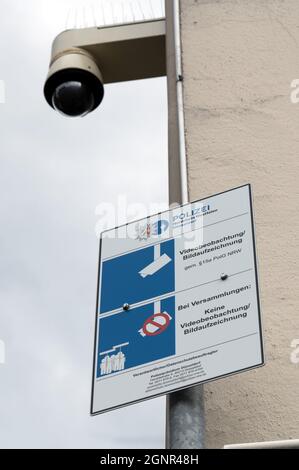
x=178 y=301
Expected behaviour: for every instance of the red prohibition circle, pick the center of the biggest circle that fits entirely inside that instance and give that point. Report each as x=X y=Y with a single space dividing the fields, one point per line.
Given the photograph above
x=151 y=321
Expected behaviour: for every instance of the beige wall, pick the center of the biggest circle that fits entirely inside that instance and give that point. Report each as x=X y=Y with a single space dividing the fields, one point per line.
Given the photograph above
x=240 y=57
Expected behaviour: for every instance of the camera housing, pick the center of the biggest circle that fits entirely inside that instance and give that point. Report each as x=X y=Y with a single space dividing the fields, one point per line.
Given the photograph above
x=74 y=85
x=82 y=59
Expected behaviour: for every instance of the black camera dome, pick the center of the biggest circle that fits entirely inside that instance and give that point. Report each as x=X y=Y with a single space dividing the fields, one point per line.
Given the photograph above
x=74 y=92
x=73 y=98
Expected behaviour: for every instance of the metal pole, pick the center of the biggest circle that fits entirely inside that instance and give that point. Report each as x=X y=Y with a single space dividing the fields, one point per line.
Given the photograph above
x=185 y=424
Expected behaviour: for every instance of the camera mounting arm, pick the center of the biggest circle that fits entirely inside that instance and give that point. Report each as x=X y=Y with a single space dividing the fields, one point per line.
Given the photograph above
x=126 y=52
x=93 y=56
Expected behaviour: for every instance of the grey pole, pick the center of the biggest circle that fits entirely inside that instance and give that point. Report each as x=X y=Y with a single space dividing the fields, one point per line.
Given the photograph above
x=185 y=423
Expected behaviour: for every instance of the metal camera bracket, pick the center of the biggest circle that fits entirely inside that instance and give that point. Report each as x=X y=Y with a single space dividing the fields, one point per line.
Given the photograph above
x=124 y=52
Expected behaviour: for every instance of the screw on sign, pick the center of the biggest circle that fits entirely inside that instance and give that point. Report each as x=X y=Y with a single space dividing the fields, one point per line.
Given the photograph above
x=156 y=324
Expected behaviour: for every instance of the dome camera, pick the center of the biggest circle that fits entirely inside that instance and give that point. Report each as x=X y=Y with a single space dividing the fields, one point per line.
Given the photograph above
x=74 y=86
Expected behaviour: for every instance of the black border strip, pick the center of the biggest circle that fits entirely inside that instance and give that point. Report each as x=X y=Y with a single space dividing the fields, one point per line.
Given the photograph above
x=230 y=374
x=256 y=275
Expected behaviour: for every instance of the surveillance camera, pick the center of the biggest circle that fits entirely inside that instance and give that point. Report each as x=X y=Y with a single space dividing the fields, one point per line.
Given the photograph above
x=131 y=51
x=74 y=86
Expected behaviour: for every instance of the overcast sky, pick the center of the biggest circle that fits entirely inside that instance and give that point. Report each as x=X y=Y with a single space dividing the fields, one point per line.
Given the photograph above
x=54 y=173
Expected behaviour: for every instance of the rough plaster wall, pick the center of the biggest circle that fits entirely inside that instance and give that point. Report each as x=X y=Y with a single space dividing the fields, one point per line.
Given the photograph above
x=240 y=57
